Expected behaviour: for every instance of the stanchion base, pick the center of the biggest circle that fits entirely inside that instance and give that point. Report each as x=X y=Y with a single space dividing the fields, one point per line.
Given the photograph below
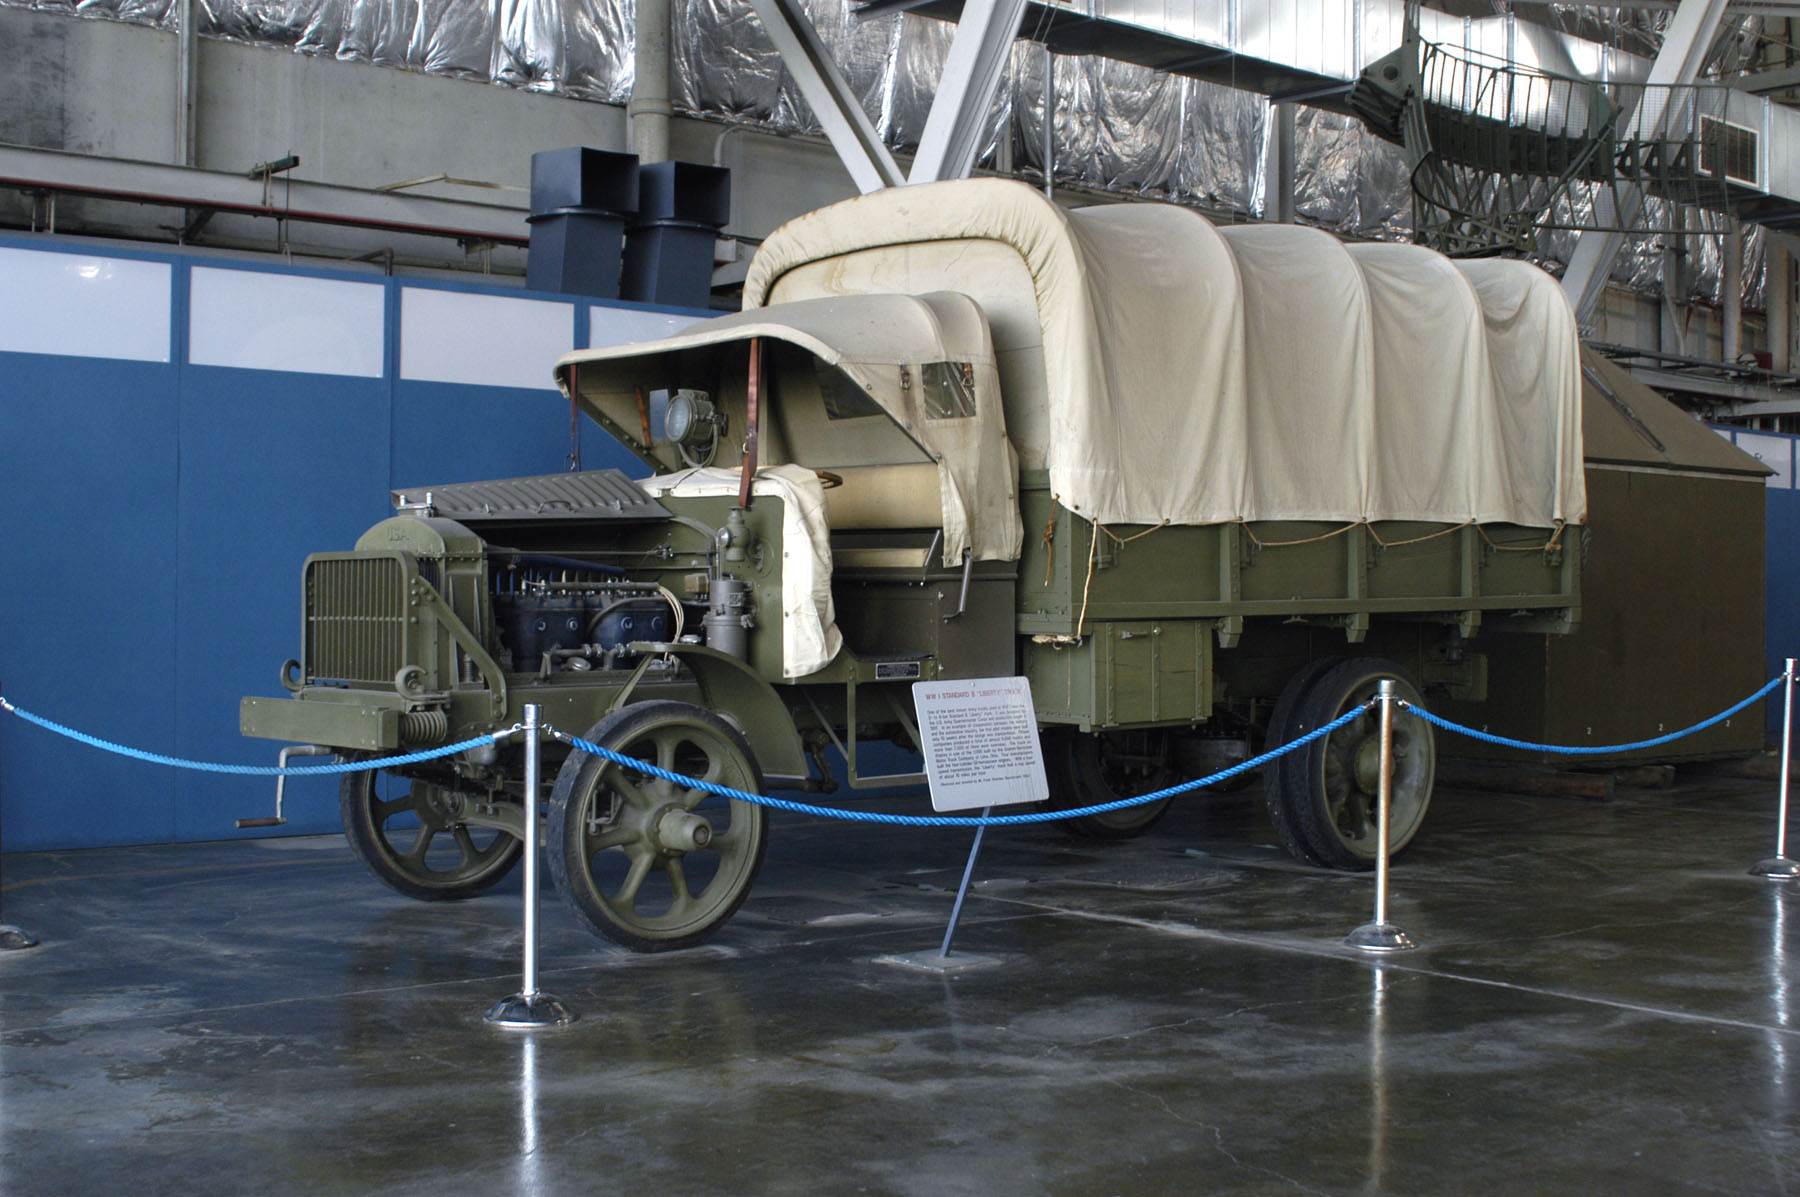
x=1776 y=866
x=521 y=1013
x=1379 y=937
x=932 y=960
x=12 y=939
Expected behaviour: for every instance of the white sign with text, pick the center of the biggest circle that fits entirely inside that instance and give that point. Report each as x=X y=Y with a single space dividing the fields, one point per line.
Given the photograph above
x=981 y=743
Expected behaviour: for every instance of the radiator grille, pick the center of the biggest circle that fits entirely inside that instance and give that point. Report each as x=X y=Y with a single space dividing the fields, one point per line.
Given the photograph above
x=355 y=620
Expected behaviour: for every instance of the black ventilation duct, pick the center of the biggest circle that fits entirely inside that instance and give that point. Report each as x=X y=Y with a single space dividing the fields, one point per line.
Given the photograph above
x=681 y=206
x=581 y=200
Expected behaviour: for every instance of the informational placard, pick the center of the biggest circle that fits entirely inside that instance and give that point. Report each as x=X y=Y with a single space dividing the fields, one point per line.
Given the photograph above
x=981 y=743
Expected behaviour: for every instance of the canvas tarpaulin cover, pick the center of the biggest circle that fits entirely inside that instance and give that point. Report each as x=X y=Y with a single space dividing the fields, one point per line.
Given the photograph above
x=1182 y=373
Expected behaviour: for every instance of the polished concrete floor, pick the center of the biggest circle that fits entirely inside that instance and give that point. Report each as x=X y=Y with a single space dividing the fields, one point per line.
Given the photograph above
x=1602 y=1001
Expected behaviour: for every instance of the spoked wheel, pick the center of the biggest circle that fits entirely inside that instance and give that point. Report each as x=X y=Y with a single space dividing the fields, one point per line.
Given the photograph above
x=410 y=836
x=1090 y=768
x=1331 y=797
x=641 y=860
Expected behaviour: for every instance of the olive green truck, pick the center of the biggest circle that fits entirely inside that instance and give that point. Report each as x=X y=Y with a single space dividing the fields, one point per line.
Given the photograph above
x=1205 y=487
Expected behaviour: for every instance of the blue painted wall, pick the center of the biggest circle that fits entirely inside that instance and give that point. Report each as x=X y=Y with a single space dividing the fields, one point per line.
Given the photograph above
x=88 y=528
x=1781 y=580
x=153 y=522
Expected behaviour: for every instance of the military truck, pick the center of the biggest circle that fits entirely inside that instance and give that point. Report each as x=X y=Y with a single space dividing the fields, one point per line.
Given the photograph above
x=1205 y=487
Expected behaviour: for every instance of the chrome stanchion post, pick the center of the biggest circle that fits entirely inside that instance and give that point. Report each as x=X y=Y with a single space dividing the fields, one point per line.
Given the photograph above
x=1778 y=865
x=13 y=938
x=1381 y=935
x=529 y=1008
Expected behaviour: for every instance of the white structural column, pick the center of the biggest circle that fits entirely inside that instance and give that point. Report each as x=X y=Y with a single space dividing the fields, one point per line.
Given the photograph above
x=1684 y=47
x=1731 y=301
x=972 y=72
x=1778 y=283
x=650 y=108
x=1278 y=167
x=1049 y=123
x=840 y=113
x=1677 y=286
x=187 y=43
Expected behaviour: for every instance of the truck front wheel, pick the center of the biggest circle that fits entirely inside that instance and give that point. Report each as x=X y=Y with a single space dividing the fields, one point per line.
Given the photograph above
x=411 y=838
x=1328 y=797
x=644 y=861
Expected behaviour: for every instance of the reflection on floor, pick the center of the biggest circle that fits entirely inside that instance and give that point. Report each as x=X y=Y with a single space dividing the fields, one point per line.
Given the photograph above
x=1602 y=999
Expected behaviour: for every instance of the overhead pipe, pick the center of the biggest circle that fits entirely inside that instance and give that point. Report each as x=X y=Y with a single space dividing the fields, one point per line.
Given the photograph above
x=163 y=185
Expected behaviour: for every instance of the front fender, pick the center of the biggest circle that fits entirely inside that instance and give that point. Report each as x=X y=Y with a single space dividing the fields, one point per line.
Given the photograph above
x=737 y=693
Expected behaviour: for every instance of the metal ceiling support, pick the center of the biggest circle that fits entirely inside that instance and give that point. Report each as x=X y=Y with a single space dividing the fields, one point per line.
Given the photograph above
x=837 y=108
x=1685 y=45
x=1763 y=82
x=978 y=57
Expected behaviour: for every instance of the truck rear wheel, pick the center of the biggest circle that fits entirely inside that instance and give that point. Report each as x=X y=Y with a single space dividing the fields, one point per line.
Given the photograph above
x=1091 y=768
x=410 y=837
x=1329 y=797
x=1281 y=774
x=641 y=860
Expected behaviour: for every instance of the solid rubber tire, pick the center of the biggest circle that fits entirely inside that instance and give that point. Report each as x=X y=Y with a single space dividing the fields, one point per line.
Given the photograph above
x=1278 y=773
x=355 y=791
x=1415 y=766
x=563 y=838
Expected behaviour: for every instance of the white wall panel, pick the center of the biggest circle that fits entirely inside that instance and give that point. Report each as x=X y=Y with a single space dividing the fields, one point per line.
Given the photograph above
x=259 y=321
x=84 y=306
x=1776 y=452
x=485 y=340
x=621 y=326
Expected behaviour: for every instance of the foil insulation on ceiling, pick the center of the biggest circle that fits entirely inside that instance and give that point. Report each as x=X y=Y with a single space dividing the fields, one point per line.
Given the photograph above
x=1117 y=127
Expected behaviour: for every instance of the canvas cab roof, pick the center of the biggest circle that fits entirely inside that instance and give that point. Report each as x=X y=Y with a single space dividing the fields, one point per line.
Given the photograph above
x=849 y=383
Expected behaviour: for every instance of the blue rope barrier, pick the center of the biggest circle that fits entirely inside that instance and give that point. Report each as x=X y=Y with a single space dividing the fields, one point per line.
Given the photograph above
x=864 y=816
x=1597 y=750
x=156 y=758
x=857 y=816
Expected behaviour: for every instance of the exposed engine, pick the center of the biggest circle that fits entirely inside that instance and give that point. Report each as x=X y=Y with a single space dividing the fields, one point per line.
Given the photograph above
x=555 y=614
